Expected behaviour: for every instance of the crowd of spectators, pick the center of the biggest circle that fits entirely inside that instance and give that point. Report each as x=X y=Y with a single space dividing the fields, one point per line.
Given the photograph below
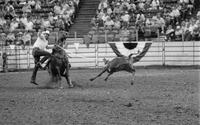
x=154 y=15
x=19 y=19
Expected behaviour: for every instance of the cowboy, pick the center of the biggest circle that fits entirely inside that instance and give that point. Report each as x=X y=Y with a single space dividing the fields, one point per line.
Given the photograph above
x=39 y=49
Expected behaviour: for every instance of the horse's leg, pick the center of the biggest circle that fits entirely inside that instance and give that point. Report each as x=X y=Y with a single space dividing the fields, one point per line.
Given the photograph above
x=59 y=76
x=104 y=70
x=67 y=77
x=108 y=76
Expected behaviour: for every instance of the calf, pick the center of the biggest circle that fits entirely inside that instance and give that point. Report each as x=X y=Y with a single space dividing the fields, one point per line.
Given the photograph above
x=118 y=64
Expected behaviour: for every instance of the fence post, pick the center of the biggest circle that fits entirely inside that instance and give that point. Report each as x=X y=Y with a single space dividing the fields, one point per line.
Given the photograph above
x=163 y=53
x=75 y=35
x=137 y=34
x=193 y=42
x=96 y=55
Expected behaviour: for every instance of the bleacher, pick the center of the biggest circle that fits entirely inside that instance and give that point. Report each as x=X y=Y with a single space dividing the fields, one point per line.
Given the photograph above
x=148 y=32
x=42 y=13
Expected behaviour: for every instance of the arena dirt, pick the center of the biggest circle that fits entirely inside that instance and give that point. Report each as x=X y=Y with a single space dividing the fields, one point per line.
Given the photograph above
x=158 y=97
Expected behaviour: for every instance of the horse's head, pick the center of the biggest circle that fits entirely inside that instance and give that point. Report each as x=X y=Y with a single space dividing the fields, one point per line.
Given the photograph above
x=62 y=38
x=57 y=50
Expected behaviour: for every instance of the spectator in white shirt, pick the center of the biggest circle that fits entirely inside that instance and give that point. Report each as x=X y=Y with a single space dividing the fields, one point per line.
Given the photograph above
x=178 y=32
x=14 y=25
x=140 y=18
x=155 y=4
x=125 y=19
x=141 y=5
x=170 y=33
x=26 y=38
x=29 y=25
x=24 y=19
x=109 y=23
x=160 y=22
x=105 y=17
x=38 y=5
x=57 y=9
x=32 y=3
x=117 y=23
x=26 y=8
x=46 y=23
x=2 y=22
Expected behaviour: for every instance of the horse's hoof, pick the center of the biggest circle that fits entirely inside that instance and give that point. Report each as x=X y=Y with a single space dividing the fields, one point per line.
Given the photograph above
x=132 y=83
x=33 y=82
x=72 y=86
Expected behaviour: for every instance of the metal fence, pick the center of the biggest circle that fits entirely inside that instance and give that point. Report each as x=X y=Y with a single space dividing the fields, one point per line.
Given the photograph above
x=160 y=53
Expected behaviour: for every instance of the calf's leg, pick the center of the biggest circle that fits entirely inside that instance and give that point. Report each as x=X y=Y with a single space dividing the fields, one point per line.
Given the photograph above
x=108 y=76
x=104 y=70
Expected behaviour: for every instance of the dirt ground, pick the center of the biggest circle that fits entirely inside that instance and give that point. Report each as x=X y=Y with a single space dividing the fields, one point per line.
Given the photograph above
x=158 y=97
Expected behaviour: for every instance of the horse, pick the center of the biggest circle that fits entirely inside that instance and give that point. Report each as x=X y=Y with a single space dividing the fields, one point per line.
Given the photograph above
x=117 y=64
x=58 y=66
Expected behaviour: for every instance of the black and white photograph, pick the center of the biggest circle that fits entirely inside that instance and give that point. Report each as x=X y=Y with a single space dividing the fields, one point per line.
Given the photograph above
x=99 y=62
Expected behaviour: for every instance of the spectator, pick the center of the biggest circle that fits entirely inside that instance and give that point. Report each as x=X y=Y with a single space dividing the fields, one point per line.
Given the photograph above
x=37 y=5
x=5 y=61
x=37 y=23
x=26 y=8
x=57 y=9
x=109 y=23
x=3 y=39
x=14 y=25
x=32 y=3
x=46 y=23
x=160 y=22
x=26 y=38
x=141 y=6
x=18 y=39
x=175 y=14
x=60 y=24
x=155 y=4
x=117 y=23
x=105 y=17
x=94 y=22
x=140 y=18
x=132 y=8
x=22 y=2
x=24 y=19
x=178 y=33
x=8 y=7
x=170 y=33
x=103 y=5
x=125 y=19
x=109 y=11
x=117 y=10
x=2 y=23
x=125 y=5
x=9 y=12
x=10 y=39
x=148 y=22
x=52 y=18
x=124 y=33
x=29 y=25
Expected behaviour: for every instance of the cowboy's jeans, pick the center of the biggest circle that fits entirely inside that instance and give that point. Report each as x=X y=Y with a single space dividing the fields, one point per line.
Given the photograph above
x=37 y=53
